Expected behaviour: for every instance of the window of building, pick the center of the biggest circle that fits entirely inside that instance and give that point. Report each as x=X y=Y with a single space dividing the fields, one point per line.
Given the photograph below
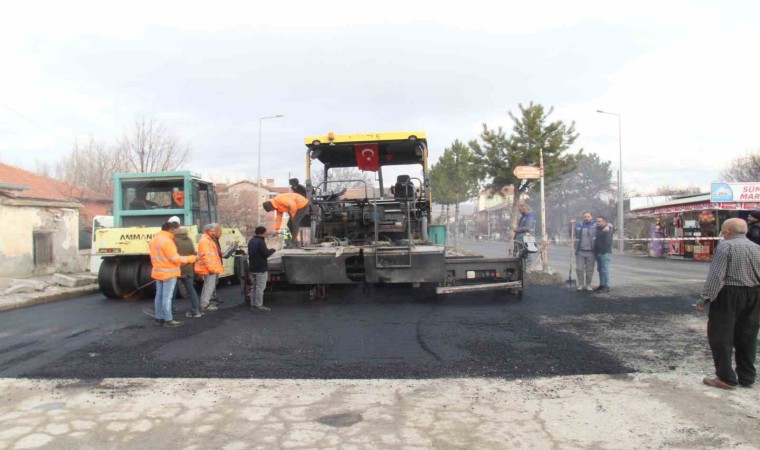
x=43 y=248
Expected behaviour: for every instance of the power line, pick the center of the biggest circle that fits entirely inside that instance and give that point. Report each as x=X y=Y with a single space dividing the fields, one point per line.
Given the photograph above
x=31 y=120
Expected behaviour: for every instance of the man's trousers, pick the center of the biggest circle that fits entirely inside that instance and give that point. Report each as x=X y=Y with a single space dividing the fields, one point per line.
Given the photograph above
x=733 y=325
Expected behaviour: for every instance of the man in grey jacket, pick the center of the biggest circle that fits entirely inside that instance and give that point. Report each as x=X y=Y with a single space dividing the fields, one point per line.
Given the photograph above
x=585 y=234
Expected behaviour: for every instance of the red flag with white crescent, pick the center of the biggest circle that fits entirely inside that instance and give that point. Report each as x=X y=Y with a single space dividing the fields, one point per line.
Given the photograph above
x=367 y=157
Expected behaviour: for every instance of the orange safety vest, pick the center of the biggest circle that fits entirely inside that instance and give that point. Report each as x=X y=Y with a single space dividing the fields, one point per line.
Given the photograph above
x=290 y=203
x=164 y=257
x=209 y=259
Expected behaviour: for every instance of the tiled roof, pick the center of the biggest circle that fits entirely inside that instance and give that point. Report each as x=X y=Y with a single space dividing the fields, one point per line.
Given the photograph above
x=44 y=188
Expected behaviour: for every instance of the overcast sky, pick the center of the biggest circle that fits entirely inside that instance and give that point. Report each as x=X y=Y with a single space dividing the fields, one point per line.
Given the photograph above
x=683 y=75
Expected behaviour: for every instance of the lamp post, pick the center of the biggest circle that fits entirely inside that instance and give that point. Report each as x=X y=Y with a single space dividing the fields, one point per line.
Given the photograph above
x=544 y=241
x=258 y=170
x=621 y=242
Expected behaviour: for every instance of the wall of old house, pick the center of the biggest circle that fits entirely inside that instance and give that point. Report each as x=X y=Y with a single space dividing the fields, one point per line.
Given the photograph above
x=17 y=236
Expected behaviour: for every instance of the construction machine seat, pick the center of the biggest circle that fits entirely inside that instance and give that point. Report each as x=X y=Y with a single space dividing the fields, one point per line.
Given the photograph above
x=404 y=188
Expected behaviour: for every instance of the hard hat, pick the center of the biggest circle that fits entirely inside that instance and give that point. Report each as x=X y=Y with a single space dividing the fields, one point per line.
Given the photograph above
x=174 y=219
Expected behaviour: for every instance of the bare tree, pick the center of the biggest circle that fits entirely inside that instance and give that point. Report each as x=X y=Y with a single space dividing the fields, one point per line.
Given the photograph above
x=42 y=167
x=151 y=147
x=743 y=168
x=89 y=166
x=342 y=178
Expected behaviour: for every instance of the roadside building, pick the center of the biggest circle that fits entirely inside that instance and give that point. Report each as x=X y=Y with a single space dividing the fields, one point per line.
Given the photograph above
x=41 y=225
x=92 y=204
x=493 y=212
x=240 y=203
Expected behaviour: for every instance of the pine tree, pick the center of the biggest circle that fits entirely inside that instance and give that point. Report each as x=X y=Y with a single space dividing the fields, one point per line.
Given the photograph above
x=498 y=154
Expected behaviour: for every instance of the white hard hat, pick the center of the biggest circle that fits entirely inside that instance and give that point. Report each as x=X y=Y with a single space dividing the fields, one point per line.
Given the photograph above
x=174 y=219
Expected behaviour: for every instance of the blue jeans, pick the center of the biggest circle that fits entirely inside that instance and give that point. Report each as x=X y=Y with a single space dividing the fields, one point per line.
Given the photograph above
x=163 y=302
x=189 y=284
x=603 y=265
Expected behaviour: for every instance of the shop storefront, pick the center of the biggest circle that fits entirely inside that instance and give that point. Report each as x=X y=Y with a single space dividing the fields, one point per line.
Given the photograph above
x=689 y=227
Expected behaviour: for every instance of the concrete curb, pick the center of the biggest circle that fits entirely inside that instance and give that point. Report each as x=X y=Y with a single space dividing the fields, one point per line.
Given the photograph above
x=8 y=304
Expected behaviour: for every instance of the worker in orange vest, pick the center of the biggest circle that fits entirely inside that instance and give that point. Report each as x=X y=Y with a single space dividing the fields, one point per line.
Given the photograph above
x=296 y=205
x=166 y=262
x=209 y=264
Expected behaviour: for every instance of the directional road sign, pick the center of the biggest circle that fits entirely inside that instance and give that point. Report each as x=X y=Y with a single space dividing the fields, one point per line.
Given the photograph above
x=527 y=172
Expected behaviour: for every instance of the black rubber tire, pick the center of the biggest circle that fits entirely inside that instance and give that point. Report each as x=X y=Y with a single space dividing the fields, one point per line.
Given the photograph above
x=127 y=279
x=239 y=270
x=107 y=278
x=144 y=279
x=429 y=291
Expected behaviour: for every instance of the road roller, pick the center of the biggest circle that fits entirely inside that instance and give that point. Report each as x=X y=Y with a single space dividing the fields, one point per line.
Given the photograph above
x=142 y=202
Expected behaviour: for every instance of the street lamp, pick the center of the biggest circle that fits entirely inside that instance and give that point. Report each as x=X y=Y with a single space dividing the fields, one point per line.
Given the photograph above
x=620 y=180
x=258 y=171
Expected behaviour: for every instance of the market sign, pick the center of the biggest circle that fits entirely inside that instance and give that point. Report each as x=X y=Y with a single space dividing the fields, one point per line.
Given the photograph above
x=734 y=192
x=527 y=172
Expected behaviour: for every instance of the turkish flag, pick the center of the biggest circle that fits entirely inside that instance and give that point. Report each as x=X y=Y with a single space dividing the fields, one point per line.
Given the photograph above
x=367 y=157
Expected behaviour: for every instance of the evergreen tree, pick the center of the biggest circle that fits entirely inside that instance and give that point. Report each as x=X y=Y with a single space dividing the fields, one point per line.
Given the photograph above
x=588 y=188
x=498 y=154
x=455 y=178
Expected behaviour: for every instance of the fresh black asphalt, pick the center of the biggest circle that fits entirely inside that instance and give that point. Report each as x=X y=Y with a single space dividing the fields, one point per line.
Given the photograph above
x=389 y=332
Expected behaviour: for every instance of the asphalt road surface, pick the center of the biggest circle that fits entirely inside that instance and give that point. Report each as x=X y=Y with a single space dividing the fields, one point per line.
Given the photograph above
x=641 y=275
x=646 y=324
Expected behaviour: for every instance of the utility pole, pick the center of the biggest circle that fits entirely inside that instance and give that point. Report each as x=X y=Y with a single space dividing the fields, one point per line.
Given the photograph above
x=544 y=241
x=620 y=224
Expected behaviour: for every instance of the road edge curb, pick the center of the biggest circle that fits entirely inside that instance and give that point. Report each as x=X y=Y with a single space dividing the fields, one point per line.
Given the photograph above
x=49 y=298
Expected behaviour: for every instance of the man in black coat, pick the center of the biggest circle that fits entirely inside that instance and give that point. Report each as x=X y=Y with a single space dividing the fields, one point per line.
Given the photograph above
x=603 y=253
x=753 y=220
x=258 y=253
x=297 y=187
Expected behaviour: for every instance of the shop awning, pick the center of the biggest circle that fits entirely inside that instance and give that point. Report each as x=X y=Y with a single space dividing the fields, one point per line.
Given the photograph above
x=693 y=203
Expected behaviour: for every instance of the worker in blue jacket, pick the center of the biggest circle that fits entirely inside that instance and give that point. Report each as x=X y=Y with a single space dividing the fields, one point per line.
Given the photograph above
x=525 y=227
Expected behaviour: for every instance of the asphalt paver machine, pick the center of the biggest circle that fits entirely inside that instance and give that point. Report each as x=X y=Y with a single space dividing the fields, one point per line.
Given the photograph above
x=379 y=232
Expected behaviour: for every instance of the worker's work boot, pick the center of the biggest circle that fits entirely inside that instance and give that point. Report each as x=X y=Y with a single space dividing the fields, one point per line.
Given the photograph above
x=580 y=286
x=172 y=324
